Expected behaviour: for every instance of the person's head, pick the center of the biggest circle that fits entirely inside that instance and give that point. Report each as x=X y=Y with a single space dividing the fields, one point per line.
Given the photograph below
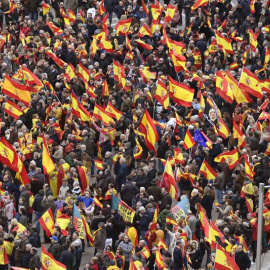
x=164 y=190
x=28 y=247
x=239 y=248
x=54 y=239
x=126 y=238
x=108 y=248
x=33 y=250
x=75 y=236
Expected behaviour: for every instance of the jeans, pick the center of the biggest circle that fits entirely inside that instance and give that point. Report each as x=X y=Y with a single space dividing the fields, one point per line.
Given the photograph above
x=219 y=196
x=33 y=16
x=38 y=216
x=110 y=17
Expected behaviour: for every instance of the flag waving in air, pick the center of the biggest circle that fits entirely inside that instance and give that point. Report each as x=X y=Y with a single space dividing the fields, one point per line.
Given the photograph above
x=48 y=262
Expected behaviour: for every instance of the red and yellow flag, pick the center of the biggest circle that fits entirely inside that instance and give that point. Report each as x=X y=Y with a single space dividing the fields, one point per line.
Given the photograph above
x=57 y=60
x=224 y=43
x=145 y=31
x=101 y=115
x=168 y=177
x=82 y=170
x=199 y=3
x=146 y=252
x=79 y=110
x=230 y=157
x=181 y=93
x=45 y=8
x=239 y=135
x=99 y=165
x=159 y=260
x=253 y=40
x=170 y=13
x=47 y=222
x=13 y=109
x=69 y=72
x=17 y=91
x=162 y=95
x=105 y=90
x=122 y=27
x=170 y=220
x=139 y=151
x=224 y=261
x=250 y=83
x=207 y=171
x=97 y=202
x=248 y=169
x=223 y=88
x=188 y=141
x=204 y=221
x=49 y=262
x=113 y=112
x=148 y=128
x=30 y=77
x=47 y=162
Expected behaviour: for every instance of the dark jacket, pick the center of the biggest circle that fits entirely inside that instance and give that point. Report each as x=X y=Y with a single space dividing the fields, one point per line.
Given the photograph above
x=193 y=201
x=66 y=258
x=144 y=222
x=207 y=204
x=219 y=182
x=37 y=203
x=128 y=191
x=34 y=262
x=178 y=259
x=26 y=259
x=166 y=199
x=242 y=260
x=55 y=250
x=142 y=181
x=122 y=174
x=155 y=191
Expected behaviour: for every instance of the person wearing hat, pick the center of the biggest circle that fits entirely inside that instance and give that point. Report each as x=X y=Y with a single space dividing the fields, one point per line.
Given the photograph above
x=168 y=260
x=154 y=190
x=55 y=248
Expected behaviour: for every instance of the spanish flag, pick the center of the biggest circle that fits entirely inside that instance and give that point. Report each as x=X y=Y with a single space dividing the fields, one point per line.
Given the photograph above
x=159 y=260
x=207 y=171
x=216 y=236
x=49 y=262
x=47 y=162
x=162 y=95
x=57 y=60
x=247 y=189
x=148 y=127
x=105 y=90
x=179 y=61
x=249 y=82
x=45 y=8
x=178 y=157
x=47 y=222
x=153 y=224
x=82 y=170
x=222 y=129
x=170 y=220
x=188 y=141
x=101 y=8
x=223 y=88
x=230 y=157
x=204 y=221
x=83 y=73
x=88 y=231
x=156 y=11
x=168 y=177
x=98 y=164
x=199 y=3
x=90 y=90
x=224 y=261
x=144 y=45
x=162 y=245
x=181 y=93
x=97 y=202
x=249 y=204
x=234 y=66
x=105 y=44
x=19 y=229
x=224 y=43
x=248 y=169
x=113 y=112
x=122 y=27
x=30 y=77
x=139 y=151
x=69 y=72
x=145 y=252
x=13 y=109
x=17 y=91
x=101 y=115
x=94 y=46
x=253 y=40
x=239 y=135
x=79 y=110
x=146 y=74
x=145 y=8
x=4 y=260
x=54 y=28
x=170 y=13
x=12 y=7
x=145 y=31
x=239 y=94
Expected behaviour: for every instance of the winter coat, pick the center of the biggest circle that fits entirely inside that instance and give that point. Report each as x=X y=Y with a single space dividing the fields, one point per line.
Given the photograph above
x=67 y=259
x=242 y=260
x=8 y=209
x=165 y=200
x=55 y=250
x=100 y=239
x=155 y=191
x=128 y=191
x=162 y=218
x=127 y=249
x=34 y=262
x=20 y=251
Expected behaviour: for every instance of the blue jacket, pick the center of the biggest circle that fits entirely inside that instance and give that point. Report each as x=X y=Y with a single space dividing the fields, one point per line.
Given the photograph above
x=87 y=201
x=122 y=174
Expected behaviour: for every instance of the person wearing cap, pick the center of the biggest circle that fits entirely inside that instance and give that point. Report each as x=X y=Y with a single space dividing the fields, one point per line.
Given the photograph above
x=55 y=247
x=168 y=260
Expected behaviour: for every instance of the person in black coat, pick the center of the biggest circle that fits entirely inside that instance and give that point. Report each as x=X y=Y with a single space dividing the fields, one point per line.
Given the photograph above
x=242 y=259
x=166 y=199
x=66 y=257
x=177 y=256
x=207 y=202
x=122 y=173
x=142 y=179
x=27 y=256
x=128 y=191
x=194 y=200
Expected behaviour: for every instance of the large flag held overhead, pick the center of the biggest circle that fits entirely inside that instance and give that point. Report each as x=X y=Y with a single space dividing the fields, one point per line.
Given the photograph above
x=78 y=109
x=47 y=222
x=188 y=141
x=168 y=177
x=48 y=262
x=181 y=208
x=13 y=109
x=224 y=43
x=207 y=171
x=199 y=3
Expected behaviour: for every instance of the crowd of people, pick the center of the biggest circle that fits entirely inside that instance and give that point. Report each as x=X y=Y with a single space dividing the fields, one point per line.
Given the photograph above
x=143 y=101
